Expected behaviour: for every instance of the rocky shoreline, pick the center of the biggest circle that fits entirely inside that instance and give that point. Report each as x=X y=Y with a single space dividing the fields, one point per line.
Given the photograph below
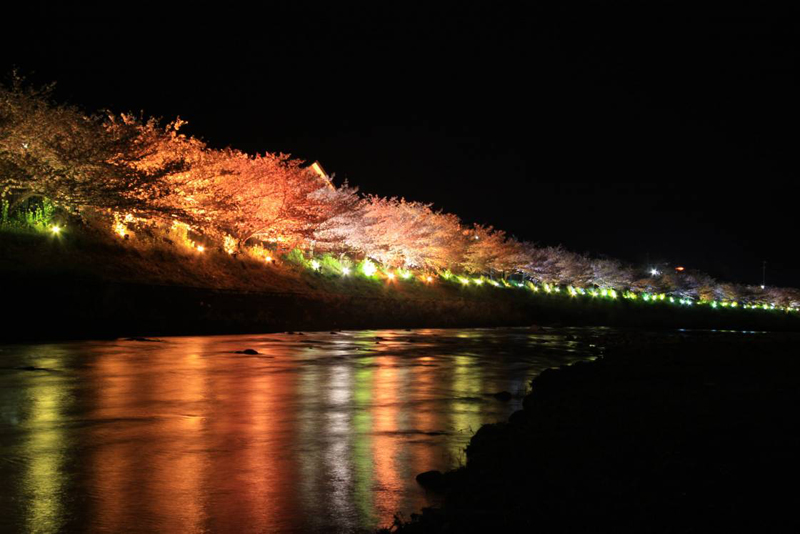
x=695 y=433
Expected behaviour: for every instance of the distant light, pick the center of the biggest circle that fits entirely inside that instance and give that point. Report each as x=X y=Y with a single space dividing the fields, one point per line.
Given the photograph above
x=429 y=279
x=654 y=272
x=56 y=229
x=268 y=259
x=369 y=268
x=314 y=264
x=345 y=271
x=763 y=287
x=201 y=248
x=680 y=268
x=478 y=281
x=390 y=276
x=406 y=275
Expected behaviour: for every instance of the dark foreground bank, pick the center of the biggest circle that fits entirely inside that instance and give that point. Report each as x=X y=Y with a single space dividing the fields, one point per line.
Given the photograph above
x=699 y=434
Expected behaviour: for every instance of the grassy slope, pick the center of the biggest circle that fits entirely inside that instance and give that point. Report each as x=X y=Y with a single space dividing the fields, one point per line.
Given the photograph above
x=94 y=285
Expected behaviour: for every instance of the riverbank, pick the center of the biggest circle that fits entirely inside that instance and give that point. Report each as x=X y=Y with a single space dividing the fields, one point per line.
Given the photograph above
x=696 y=434
x=80 y=286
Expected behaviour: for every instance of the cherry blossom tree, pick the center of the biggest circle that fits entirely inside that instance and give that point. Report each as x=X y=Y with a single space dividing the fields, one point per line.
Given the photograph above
x=77 y=161
x=489 y=250
x=398 y=233
x=270 y=196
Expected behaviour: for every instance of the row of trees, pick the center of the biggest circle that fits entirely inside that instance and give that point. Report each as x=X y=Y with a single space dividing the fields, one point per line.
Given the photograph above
x=107 y=165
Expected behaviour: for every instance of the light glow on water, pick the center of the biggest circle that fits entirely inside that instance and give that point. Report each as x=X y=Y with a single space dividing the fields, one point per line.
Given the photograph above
x=315 y=433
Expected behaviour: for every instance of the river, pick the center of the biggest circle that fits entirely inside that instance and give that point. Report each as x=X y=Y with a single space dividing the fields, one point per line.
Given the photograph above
x=318 y=432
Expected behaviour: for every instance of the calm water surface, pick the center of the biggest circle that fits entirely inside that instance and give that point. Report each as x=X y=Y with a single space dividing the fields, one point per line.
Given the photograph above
x=322 y=432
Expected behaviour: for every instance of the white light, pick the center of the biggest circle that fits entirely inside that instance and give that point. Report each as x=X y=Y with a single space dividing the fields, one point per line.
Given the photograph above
x=314 y=264
x=345 y=271
x=654 y=272
x=369 y=268
x=55 y=229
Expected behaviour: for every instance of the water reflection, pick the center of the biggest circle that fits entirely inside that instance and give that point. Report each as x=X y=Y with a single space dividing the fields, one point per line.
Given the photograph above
x=46 y=448
x=323 y=432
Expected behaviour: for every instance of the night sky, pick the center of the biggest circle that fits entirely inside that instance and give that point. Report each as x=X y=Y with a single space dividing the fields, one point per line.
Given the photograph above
x=660 y=135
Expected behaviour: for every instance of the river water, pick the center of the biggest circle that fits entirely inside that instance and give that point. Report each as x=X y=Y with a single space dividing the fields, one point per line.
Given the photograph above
x=321 y=432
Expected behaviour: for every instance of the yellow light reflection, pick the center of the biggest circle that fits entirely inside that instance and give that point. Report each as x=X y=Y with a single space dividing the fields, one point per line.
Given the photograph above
x=44 y=479
x=466 y=409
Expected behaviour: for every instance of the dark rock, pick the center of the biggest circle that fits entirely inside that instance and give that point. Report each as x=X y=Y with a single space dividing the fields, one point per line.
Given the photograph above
x=247 y=351
x=518 y=418
x=432 y=480
x=503 y=396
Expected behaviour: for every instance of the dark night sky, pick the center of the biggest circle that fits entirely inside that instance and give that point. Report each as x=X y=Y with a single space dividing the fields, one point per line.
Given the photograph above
x=666 y=133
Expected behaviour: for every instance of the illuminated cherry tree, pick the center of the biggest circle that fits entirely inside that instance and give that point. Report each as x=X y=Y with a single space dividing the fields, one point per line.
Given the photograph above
x=270 y=196
x=403 y=234
x=77 y=161
x=489 y=250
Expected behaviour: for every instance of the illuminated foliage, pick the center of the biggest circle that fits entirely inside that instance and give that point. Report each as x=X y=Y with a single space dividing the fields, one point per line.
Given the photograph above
x=399 y=233
x=489 y=250
x=77 y=161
